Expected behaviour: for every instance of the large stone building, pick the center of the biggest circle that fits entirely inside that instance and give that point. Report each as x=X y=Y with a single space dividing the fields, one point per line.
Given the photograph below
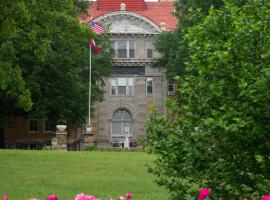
x=132 y=88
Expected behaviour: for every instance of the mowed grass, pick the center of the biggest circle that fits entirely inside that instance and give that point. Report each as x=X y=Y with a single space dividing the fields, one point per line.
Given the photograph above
x=25 y=174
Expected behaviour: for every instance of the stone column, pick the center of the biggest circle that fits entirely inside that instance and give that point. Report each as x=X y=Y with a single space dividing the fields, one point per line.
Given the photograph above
x=89 y=139
x=61 y=136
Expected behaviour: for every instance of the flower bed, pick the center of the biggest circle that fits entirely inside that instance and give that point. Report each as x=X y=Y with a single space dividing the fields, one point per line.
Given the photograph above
x=206 y=192
x=203 y=195
x=78 y=197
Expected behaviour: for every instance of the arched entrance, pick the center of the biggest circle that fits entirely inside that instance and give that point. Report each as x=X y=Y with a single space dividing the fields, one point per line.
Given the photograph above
x=121 y=123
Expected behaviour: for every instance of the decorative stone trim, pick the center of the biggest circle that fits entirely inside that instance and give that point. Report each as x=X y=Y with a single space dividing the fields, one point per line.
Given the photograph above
x=132 y=62
x=125 y=22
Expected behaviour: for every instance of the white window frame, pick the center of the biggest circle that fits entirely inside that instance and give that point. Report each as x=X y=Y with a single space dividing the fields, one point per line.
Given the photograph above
x=127 y=44
x=148 y=80
x=116 y=83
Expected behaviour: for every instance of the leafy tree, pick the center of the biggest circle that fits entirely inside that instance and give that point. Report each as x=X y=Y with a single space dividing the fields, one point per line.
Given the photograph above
x=218 y=132
x=169 y=44
x=13 y=92
x=49 y=46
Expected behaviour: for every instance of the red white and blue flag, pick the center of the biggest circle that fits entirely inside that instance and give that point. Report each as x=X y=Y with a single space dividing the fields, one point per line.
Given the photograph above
x=97 y=28
x=92 y=44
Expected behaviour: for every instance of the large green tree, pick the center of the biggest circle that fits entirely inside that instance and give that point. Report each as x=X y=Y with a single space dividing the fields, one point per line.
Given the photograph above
x=48 y=45
x=13 y=92
x=170 y=44
x=218 y=132
x=172 y=51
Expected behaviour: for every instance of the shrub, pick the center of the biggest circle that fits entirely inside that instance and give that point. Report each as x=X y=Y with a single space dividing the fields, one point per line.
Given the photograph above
x=217 y=134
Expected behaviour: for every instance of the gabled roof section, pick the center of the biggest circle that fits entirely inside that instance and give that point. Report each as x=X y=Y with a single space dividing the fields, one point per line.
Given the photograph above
x=114 y=5
x=124 y=22
x=161 y=13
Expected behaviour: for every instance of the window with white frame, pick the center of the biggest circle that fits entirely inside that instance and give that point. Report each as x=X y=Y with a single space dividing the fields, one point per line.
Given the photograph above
x=122 y=86
x=149 y=48
x=32 y=125
x=121 y=123
x=125 y=49
x=48 y=126
x=170 y=88
x=149 y=86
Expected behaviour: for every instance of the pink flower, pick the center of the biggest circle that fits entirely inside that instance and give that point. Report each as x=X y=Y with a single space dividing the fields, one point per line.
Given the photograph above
x=80 y=196
x=204 y=192
x=52 y=197
x=266 y=197
x=33 y=198
x=110 y=198
x=90 y=197
x=5 y=197
x=121 y=198
x=129 y=196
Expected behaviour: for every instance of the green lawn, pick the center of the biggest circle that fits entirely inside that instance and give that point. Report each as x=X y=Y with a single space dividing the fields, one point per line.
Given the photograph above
x=25 y=174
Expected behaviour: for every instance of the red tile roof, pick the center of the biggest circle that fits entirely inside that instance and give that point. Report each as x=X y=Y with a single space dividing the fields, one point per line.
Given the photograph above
x=157 y=12
x=114 y=5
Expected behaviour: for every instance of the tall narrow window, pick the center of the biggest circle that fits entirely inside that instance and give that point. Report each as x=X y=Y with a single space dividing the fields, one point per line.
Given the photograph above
x=122 y=86
x=121 y=49
x=149 y=86
x=113 y=87
x=149 y=49
x=130 y=86
x=170 y=88
x=121 y=122
x=131 y=49
x=32 y=125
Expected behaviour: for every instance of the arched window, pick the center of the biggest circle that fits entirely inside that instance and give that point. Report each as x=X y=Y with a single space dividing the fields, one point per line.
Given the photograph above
x=121 y=123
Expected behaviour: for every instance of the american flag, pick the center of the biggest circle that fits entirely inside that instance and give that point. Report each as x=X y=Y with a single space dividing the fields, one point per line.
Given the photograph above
x=97 y=28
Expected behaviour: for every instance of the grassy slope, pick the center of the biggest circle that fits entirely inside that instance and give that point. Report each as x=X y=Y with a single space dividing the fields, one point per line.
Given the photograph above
x=25 y=174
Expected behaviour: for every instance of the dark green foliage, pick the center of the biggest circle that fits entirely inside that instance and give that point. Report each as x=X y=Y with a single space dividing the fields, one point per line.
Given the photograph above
x=169 y=44
x=49 y=46
x=218 y=133
x=13 y=93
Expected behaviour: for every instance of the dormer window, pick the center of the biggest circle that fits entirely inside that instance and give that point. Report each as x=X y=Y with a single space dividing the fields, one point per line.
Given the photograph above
x=125 y=49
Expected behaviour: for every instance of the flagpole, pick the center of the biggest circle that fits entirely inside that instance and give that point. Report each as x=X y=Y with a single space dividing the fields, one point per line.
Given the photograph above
x=89 y=97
